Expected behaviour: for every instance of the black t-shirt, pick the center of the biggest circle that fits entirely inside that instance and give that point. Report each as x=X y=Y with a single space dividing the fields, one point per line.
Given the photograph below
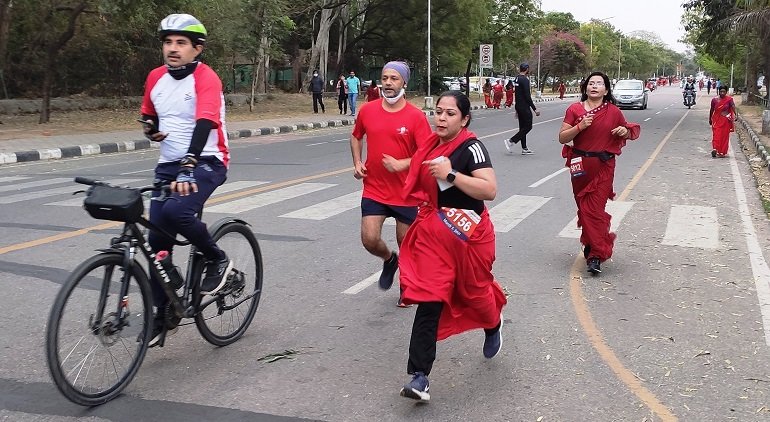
x=470 y=156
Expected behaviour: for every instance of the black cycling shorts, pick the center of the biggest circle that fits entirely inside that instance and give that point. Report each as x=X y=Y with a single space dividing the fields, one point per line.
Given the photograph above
x=405 y=215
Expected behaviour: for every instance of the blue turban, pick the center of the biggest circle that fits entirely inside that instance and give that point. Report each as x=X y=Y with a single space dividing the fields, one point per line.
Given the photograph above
x=400 y=67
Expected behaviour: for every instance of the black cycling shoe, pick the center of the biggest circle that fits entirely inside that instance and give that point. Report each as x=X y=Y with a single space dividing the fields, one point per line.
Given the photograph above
x=163 y=326
x=594 y=266
x=216 y=275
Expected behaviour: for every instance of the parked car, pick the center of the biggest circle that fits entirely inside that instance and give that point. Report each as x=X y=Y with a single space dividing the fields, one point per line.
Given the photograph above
x=631 y=93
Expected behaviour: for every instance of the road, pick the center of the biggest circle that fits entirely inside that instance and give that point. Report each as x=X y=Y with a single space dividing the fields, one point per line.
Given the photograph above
x=671 y=330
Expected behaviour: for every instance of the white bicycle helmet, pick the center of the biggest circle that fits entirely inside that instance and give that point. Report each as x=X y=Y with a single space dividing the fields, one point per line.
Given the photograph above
x=183 y=24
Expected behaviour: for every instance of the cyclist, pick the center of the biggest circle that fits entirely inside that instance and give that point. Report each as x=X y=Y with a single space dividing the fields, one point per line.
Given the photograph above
x=184 y=109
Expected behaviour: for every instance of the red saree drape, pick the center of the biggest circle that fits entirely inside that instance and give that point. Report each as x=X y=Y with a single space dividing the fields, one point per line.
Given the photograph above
x=594 y=187
x=437 y=266
x=722 y=125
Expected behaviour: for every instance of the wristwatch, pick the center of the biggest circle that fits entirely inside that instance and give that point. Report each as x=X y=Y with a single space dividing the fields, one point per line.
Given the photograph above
x=451 y=176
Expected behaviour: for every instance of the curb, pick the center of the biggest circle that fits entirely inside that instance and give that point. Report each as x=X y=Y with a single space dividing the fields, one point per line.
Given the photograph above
x=140 y=144
x=757 y=141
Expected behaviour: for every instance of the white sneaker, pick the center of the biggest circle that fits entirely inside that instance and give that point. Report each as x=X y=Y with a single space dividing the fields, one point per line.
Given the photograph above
x=507 y=143
x=527 y=152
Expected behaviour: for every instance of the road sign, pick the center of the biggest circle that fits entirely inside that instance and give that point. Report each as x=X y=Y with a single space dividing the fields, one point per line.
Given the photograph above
x=485 y=55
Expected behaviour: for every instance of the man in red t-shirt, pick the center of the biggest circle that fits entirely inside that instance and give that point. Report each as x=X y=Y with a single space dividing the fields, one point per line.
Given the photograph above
x=393 y=127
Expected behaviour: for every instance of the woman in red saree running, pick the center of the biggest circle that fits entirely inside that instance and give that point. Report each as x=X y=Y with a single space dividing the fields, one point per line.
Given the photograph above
x=721 y=118
x=598 y=131
x=497 y=92
x=447 y=254
x=509 y=94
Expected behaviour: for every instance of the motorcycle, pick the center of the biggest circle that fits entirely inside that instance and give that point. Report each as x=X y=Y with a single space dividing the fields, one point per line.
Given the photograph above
x=689 y=98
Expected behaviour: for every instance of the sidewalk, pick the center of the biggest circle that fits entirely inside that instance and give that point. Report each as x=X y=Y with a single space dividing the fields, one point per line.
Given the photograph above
x=17 y=150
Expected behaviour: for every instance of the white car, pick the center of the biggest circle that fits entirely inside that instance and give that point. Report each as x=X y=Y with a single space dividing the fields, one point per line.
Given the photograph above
x=631 y=93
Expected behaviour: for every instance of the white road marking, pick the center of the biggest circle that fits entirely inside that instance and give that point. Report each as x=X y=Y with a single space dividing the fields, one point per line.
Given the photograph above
x=268 y=198
x=36 y=183
x=138 y=171
x=12 y=178
x=317 y=143
x=9 y=199
x=361 y=285
x=326 y=209
x=659 y=112
x=759 y=266
x=549 y=177
x=649 y=118
x=617 y=209
x=509 y=213
x=692 y=226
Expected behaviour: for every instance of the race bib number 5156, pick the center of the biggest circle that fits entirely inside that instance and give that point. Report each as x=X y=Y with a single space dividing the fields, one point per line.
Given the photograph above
x=460 y=221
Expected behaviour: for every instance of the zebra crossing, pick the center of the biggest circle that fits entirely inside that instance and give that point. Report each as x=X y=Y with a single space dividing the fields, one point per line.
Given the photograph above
x=687 y=225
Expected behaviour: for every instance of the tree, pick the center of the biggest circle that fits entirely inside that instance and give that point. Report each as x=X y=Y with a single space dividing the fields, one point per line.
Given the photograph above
x=562 y=55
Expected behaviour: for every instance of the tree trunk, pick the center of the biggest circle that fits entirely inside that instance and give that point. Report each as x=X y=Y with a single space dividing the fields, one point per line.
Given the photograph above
x=52 y=53
x=5 y=25
x=319 y=54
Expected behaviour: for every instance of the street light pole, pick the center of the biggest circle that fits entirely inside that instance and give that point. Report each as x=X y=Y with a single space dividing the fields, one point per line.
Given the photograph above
x=620 y=45
x=592 y=36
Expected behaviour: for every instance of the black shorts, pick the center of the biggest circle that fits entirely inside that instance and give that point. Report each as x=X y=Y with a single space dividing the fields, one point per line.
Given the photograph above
x=405 y=215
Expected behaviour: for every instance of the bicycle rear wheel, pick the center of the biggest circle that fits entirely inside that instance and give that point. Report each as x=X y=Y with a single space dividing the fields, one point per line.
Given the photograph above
x=97 y=337
x=225 y=320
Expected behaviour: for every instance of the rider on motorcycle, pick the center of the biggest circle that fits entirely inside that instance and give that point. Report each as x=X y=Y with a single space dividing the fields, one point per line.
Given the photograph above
x=689 y=87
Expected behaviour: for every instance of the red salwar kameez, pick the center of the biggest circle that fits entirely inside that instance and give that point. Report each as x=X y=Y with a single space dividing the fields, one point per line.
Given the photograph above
x=593 y=176
x=439 y=266
x=722 y=123
x=487 y=90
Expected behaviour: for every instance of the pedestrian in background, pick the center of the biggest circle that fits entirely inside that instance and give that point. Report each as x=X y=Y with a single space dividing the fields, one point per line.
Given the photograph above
x=523 y=113
x=354 y=87
x=487 y=90
x=342 y=94
x=373 y=92
x=392 y=128
x=509 y=93
x=598 y=130
x=562 y=90
x=721 y=120
x=317 y=88
x=497 y=94
x=447 y=254
x=708 y=87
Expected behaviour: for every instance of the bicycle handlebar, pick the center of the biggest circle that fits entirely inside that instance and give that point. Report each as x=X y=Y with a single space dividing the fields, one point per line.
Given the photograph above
x=157 y=186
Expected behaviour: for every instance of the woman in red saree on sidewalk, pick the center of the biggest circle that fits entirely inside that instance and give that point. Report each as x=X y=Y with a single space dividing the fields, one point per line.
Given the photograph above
x=721 y=118
x=598 y=131
x=447 y=254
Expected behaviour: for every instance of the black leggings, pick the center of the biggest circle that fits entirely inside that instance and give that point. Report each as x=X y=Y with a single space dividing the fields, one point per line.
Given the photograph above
x=525 y=125
x=342 y=103
x=422 y=346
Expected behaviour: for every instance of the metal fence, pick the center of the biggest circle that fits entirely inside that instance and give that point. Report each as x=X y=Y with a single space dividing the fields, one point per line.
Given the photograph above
x=762 y=100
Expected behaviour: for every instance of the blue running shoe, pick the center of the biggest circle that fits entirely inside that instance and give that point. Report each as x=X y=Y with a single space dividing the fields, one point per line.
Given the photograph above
x=417 y=389
x=494 y=342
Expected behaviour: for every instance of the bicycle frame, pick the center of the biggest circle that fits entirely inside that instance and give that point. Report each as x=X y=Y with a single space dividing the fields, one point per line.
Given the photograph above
x=133 y=238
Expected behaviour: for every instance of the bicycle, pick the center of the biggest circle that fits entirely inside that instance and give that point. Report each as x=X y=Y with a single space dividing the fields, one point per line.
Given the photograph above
x=105 y=304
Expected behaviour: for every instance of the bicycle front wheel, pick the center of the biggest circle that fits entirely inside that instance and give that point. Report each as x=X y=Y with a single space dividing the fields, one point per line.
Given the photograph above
x=98 y=330
x=226 y=319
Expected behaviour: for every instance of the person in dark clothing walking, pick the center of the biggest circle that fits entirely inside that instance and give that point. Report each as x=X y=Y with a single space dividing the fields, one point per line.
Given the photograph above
x=523 y=113
x=342 y=94
x=317 y=88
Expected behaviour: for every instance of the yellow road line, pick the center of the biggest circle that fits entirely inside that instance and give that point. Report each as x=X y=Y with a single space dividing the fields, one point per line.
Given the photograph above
x=111 y=224
x=586 y=320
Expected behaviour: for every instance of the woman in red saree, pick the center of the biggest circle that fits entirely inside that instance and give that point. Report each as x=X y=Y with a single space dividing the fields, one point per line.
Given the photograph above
x=721 y=118
x=598 y=131
x=447 y=254
x=509 y=94
x=497 y=91
x=487 y=90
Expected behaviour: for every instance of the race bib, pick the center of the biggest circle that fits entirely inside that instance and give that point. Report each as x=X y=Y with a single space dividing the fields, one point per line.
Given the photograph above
x=576 y=167
x=460 y=221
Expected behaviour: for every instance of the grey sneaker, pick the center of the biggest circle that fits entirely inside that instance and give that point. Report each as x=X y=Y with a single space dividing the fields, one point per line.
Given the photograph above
x=527 y=152
x=507 y=143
